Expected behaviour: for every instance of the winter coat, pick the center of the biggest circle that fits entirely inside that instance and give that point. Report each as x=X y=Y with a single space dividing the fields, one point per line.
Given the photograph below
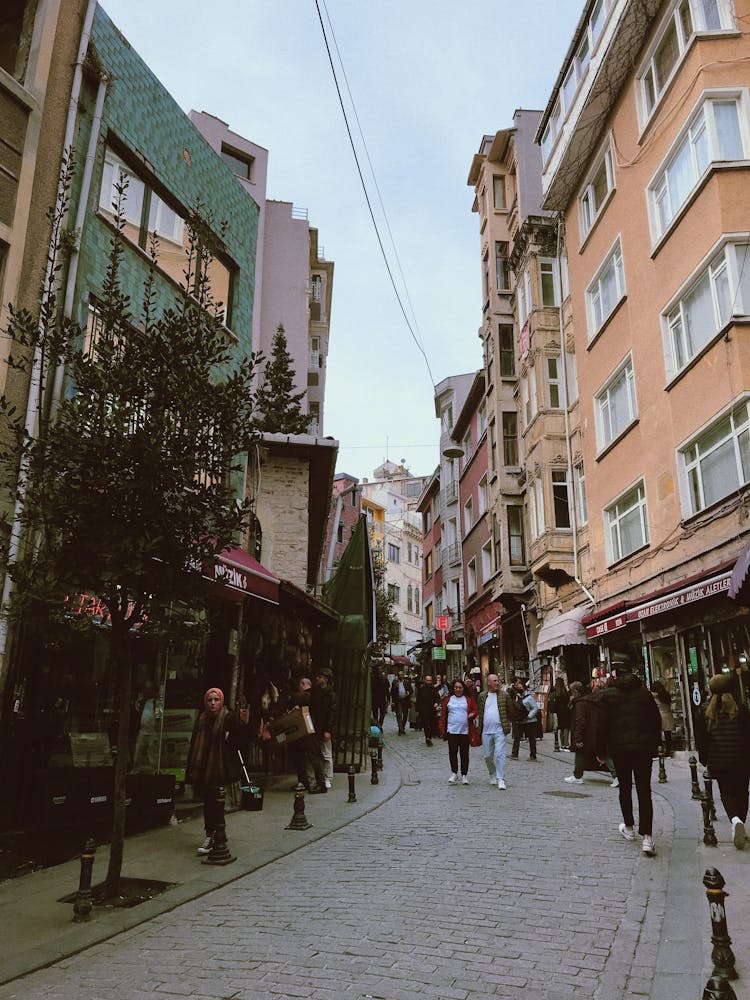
x=561 y=707
x=586 y=734
x=394 y=690
x=665 y=711
x=504 y=707
x=379 y=690
x=727 y=745
x=231 y=737
x=428 y=701
x=632 y=723
x=323 y=709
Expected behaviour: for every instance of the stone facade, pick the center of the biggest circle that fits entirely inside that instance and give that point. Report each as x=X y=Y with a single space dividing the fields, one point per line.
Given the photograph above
x=282 y=509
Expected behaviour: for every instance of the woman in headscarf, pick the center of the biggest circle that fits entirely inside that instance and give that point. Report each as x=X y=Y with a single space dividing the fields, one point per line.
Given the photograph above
x=722 y=732
x=213 y=763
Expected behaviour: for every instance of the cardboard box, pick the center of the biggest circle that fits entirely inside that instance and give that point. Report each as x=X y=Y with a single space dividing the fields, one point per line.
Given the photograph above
x=292 y=726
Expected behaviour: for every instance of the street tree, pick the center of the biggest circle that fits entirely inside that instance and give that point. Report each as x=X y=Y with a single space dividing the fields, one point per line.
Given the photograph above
x=127 y=486
x=278 y=406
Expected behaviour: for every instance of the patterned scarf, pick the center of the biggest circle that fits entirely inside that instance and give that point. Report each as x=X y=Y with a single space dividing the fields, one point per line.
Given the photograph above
x=208 y=758
x=720 y=704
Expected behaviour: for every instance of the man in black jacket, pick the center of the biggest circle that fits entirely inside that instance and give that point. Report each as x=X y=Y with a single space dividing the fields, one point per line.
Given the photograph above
x=630 y=736
x=323 y=712
x=401 y=692
x=428 y=701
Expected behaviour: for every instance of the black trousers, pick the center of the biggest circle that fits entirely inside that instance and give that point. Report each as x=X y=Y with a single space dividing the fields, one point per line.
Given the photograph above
x=378 y=713
x=629 y=765
x=428 y=724
x=733 y=789
x=458 y=743
x=518 y=732
x=402 y=713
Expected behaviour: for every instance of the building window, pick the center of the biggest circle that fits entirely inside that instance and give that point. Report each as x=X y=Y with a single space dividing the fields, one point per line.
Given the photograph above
x=466 y=445
x=561 y=498
x=536 y=508
x=428 y=566
x=717 y=462
x=315 y=359
x=626 y=523
x=502 y=266
x=427 y=520
x=416 y=600
x=606 y=291
x=240 y=164
x=528 y=396
x=551 y=130
x=510 y=439
x=446 y=418
x=615 y=405
x=468 y=515
x=165 y=222
x=596 y=192
x=516 y=546
x=471 y=576
x=394 y=594
x=408 y=552
x=713 y=134
x=580 y=484
x=498 y=189
x=507 y=352
x=340 y=532
x=497 y=551
x=428 y=615
x=721 y=290
x=686 y=18
x=571 y=378
x=409 y=598
x=493 y=446
x=393 y=553
x=314 y=414
x=554 y=384
x=481 y=419
x=482 y=496
x=548 y=282
x=486 y=561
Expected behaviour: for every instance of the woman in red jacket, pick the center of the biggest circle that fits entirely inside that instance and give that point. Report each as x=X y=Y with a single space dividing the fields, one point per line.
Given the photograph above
x=458 y=715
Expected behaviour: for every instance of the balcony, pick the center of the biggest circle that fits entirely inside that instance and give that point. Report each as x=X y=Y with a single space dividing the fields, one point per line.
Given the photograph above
x=448 y=447
x=450 y=493
x=454 y=554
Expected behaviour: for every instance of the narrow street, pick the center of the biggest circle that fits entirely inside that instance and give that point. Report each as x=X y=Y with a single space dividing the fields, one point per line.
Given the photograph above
x=443 y=891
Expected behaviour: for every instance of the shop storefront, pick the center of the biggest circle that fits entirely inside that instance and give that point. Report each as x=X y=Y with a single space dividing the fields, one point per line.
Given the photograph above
x=682 y=636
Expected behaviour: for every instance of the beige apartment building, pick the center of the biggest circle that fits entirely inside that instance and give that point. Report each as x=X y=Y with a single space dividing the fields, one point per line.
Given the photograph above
x=646 y=148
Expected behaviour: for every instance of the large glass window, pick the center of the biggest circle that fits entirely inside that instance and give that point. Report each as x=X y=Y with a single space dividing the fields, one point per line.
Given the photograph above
x=510 y=439
x=498 y=190
x=712 y=135
x=616 y=405
x=548 y=282
x=580 y=484
x=596 y=191
x=606 y=290
x=516 y=546
x=507 y=352
x=554 y=384
x=502 y=266
x=718 y=461
x=627 y=523
x=561 y=498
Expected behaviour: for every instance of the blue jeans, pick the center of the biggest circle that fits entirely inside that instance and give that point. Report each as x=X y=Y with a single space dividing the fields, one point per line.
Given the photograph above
x=493 y=747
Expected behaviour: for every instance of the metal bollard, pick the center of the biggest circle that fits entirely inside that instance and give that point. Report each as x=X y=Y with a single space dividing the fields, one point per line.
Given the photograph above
x=374 y=780
x=709 y=834
x=557 y=743
x=350 y=776
x=662 y=768
x=82 y=905
x=299 y=821
x=696 y=788
x=380 y=756
x=718 y=989
x=721 y=955
x=708 y=783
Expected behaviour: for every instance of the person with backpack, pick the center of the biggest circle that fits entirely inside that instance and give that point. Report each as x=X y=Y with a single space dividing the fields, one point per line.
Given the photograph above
x=526 y=718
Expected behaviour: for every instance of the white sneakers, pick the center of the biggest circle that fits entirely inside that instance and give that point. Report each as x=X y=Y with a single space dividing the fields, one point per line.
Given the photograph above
x=453 y=779
x=328 y=782
x=614 y=783
x=206 y=846
x=501 y=784
x=572 y=780
x=648 y=846
x=738 y=833
x=464 y=780
x=626 y=831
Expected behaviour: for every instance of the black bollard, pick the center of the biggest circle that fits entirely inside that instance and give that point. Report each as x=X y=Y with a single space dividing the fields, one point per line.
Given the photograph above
x=299 y=821
x=662 y=768
x=219 y=853
x=350 y=776
x=708 y=783
x=380 y=756
x=557 y=743
x=696 y=788
x=374 y=780
x=722 y=955
x=718 y=989
x=82 y=905
x=709 y=834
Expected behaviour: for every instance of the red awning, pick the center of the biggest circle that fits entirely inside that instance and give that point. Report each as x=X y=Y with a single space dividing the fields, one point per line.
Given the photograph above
x=242 y=576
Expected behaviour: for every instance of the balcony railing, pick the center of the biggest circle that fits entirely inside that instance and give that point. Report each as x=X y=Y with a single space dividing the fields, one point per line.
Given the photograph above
x=454 y=554
x=450 y=493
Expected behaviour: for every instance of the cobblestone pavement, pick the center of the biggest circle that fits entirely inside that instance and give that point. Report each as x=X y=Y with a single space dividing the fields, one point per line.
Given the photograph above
x=442 y=892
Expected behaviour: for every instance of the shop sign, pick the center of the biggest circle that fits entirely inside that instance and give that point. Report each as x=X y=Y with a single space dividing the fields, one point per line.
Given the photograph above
x=231 y=576
x=454 y=645
x=670 y=602
x=438 y=653
x=96 y=609
x=443 y=623
x=487 y=638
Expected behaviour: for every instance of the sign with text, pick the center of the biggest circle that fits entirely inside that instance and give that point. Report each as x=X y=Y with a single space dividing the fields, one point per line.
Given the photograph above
x=442 y=623
x=438 y=653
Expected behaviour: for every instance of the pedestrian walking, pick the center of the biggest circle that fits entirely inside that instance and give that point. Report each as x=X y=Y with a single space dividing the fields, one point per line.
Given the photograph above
x=379 y=691
x=664 y=704
x=586 y=723
x=323 y=706
x=526 y=718
x=561 y=707
x=428 y=705
x=630 y=736
x=722 y=732
x=457 y=716
x=213 y=762
x=495 y=708
x=441 y=683
x=401 y=692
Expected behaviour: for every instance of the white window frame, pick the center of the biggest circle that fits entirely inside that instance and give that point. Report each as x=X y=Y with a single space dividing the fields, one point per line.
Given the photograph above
x=314 y=362
x=548 y=265
x=468 y=515
x=481 y=419
x=498 y=181
x=559 y=477
x=605 y=433
x=613 y=259
x=579 y=475
x=727 y=267
x=471 y=576
x=635 y=497
x=482 y=496
x=692 y=480
x=589 y=209
x=486 y=561
x=554 y=384
x=672 y=19
x=537 y=522
x=700 y=127
x=120 y=171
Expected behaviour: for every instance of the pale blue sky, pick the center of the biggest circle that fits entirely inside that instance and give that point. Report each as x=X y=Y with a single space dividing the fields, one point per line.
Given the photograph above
x=429 y=79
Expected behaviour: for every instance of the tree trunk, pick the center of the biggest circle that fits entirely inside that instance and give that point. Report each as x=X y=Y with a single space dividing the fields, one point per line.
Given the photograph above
x=124 y=665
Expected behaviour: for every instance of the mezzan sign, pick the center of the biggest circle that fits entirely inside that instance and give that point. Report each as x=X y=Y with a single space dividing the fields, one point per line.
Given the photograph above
x=670 y=602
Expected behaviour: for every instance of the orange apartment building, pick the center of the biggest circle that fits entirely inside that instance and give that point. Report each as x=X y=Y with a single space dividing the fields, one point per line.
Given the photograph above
x=646 y=151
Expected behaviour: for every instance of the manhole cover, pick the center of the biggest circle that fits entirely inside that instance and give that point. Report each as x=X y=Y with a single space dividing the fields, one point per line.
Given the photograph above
x=570 y=795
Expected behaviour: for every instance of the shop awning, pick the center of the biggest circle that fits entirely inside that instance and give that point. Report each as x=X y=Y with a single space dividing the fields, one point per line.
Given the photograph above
x=242 y=576
x=564 y=629
x=739 y=584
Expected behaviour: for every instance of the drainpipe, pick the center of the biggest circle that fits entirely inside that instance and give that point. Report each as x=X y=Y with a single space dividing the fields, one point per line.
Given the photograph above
x=568 y=449
x=35 y=381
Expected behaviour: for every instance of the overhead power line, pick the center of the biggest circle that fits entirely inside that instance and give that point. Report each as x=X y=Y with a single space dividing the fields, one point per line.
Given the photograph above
x=414 y=336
